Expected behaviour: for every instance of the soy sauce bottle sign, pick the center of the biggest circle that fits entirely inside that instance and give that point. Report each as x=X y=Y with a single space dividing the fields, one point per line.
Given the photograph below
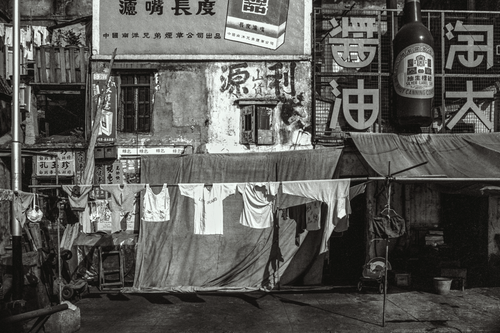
x=413 y=77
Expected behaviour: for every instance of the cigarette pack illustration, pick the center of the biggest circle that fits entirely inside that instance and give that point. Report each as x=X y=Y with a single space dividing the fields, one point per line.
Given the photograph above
x=257 y=22
x=107 y=123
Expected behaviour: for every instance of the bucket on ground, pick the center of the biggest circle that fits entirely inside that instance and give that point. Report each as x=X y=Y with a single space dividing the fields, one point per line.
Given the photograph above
x=442 y=285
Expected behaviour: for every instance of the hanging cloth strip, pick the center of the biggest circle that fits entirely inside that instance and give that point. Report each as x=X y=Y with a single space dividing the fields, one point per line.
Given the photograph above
x=22 y=201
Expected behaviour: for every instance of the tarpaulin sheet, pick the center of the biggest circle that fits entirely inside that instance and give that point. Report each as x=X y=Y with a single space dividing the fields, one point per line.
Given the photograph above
x=170 y=257
x=445 y=156
x=448 y=155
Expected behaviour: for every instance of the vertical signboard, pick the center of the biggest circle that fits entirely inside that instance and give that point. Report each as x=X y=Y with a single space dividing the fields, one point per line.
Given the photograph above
x=108 y=95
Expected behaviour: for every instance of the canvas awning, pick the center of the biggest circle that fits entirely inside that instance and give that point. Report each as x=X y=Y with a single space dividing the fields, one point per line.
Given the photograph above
x=447 y=155
x=455 y=158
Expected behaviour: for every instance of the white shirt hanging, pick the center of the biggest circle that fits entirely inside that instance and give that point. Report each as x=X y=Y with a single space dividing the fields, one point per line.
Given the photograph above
x=208 y=208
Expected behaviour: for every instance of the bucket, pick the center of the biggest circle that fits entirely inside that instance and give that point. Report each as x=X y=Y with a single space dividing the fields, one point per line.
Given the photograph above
x=442 y=285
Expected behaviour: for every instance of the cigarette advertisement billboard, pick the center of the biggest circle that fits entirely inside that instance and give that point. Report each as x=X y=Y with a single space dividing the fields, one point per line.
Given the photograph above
x=202 y=28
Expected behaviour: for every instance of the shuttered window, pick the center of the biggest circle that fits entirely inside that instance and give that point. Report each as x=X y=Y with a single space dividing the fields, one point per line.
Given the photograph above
x=257 y=123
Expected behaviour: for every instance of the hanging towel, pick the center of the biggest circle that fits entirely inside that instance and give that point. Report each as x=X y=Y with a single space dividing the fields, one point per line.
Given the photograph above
x=208 y=212
x=333 y=192
x=258 y=199
x=156 y=207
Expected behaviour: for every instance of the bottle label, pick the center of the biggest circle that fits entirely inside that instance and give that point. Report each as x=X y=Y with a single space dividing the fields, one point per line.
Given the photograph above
x=414 y=72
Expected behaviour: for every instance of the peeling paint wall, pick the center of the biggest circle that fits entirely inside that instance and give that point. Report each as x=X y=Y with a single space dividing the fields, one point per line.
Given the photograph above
x=288 y=82
x=196 y=104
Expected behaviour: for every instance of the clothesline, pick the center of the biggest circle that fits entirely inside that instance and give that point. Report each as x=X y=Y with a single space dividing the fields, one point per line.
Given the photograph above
x=206 y=184
x=23 y=192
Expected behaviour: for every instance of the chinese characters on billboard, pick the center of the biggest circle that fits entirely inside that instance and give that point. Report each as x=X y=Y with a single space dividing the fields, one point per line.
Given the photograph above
x=202 y=27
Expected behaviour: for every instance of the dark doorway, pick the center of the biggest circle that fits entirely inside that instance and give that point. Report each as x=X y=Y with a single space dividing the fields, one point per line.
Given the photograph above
x=465 y=225
x=347 y=249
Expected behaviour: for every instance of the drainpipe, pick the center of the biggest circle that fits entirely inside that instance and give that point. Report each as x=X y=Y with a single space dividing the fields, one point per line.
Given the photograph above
x=16 y=231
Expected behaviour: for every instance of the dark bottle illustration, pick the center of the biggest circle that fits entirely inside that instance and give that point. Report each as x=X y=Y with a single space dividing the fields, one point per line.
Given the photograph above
x=413 y=76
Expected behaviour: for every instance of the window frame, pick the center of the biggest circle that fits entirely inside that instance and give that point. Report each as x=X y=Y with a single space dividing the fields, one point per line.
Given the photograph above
x=257 y=121
x=141 y=113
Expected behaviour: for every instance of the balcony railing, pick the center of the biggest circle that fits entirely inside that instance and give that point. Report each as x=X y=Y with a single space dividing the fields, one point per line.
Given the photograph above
x=60 y=65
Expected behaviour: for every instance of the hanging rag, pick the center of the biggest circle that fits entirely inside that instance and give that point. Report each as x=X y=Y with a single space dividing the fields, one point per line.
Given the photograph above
x=22 y=201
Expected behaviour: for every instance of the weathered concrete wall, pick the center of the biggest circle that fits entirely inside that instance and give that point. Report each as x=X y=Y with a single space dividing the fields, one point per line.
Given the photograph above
x=195 y=104
x=288 y=82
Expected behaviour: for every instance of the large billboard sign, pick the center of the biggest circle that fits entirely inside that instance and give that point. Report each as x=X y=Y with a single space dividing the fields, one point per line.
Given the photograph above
x=196 y=29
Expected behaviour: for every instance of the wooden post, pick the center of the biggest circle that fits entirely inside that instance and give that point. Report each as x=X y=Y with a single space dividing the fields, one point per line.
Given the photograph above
x=369 y=214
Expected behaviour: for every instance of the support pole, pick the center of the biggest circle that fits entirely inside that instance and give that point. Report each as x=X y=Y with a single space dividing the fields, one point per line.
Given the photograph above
x=387 y=241
x=16 y=230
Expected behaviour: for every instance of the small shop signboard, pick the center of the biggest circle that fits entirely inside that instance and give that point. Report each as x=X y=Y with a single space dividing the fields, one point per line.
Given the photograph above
x=46 y=166
x=141 y=150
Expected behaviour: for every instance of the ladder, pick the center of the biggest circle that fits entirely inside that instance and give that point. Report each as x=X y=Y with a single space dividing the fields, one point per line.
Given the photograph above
x=110 y=264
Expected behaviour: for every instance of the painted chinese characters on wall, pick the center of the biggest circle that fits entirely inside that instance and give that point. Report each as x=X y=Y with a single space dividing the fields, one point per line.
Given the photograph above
x=269 y=104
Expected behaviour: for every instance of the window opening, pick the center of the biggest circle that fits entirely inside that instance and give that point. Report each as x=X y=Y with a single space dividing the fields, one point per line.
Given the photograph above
x=135 y=92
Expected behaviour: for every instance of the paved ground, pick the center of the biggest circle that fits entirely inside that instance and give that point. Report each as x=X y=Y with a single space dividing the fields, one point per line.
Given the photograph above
x=306 y=310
